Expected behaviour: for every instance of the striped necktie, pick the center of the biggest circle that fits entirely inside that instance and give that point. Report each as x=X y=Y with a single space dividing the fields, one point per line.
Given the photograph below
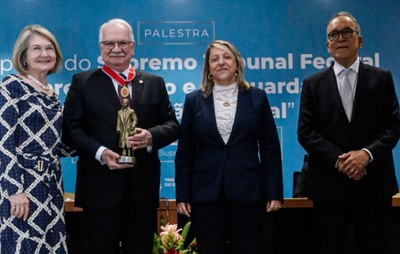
x=120 y=92
x=346 y=93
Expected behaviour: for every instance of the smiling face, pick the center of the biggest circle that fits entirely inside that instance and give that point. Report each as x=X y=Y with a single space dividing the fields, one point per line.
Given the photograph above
x=117 y=58
x=223 y=65
x=40 y=55
x=344 y=51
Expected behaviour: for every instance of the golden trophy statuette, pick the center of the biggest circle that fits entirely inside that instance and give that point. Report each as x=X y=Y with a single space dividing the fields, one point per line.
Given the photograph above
x=126 y=126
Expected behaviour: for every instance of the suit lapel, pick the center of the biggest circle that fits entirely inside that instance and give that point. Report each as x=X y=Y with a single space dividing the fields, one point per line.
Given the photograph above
x=105 y=82
x=137 y=88
x=244 y=102
x=333 y=90
x=207 y=107
x=362 y=82
x=107 y=85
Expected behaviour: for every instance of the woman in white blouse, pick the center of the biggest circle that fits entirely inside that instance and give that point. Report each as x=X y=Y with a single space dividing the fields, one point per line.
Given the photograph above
x=228 y=162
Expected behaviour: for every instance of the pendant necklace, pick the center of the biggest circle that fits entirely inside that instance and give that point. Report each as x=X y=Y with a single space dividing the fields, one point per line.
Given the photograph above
x=225 y=95
x=44 y=87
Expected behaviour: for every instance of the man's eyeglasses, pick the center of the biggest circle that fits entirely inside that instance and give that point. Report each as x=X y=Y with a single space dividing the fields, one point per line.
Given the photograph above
x=346 y=33
x=111 y=44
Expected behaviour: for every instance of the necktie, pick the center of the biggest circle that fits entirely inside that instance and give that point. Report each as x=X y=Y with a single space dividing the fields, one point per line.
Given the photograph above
x=346 y=93
x=123 y=91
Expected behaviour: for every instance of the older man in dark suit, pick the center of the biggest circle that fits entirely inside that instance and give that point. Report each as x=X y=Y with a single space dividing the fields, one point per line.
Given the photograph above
x=349 y=133
x=119 y=201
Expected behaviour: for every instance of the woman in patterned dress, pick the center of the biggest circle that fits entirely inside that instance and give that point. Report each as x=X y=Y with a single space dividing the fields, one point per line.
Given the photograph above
x=31 y=189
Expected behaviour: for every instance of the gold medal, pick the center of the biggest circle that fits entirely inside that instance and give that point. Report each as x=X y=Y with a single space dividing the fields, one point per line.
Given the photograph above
x=124 y=91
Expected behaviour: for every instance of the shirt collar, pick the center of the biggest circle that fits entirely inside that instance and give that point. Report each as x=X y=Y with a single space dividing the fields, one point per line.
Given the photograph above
x=337 y=68
x=125 y=72
x=222 y=88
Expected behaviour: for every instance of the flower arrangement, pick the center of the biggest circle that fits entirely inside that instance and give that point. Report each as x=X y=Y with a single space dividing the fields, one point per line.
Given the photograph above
x=171 y=241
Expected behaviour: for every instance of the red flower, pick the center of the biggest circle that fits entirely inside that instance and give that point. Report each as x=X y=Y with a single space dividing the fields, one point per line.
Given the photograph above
x=194 y=246
x=171 y=251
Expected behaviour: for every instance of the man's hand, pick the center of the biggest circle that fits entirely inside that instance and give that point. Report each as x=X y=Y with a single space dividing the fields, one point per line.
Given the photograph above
x=141 y=139
x=111 y=160
x=354 y=164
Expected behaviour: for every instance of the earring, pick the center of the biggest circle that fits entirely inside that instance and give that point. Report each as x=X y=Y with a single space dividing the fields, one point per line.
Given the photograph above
x=209 y=76
x=237 y=73
x=24 y=64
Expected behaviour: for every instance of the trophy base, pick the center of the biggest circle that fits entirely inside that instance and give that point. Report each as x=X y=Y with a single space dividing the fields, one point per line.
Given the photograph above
x=127 y=160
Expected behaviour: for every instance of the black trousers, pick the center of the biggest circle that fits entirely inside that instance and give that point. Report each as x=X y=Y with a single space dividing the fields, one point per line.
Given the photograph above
x=132 y=227
x=370 y=220
x=225 y=227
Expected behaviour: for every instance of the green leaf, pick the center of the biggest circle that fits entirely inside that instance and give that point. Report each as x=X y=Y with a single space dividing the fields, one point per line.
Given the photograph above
x=162 y=221
x=155 y=245
x=185 y=229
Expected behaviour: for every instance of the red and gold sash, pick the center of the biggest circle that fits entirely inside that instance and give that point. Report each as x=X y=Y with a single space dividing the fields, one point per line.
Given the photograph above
x=121 y=81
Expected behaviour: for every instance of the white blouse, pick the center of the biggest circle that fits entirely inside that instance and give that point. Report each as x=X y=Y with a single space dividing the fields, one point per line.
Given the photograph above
x=225 y=102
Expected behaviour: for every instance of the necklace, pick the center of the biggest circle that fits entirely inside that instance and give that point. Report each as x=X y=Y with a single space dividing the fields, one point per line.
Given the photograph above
x=225 y=96
x=44 y=87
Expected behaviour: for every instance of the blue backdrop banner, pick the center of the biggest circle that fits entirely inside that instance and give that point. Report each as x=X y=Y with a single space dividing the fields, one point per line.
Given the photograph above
x=281 y=42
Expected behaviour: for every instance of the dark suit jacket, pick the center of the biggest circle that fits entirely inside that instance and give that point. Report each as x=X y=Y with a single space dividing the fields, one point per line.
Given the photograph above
x=325 y=133
x=247 y=169
x=90 y=120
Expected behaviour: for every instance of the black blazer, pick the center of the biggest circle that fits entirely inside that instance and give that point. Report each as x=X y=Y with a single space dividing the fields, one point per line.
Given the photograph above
x=90 y=120
x=247 y=169
x=325 y=132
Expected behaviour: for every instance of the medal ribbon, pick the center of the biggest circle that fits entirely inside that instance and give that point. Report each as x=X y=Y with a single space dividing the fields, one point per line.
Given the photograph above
x=112 y=74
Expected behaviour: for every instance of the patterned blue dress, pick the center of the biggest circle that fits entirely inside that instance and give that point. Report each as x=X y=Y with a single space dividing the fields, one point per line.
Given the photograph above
x=30 y=125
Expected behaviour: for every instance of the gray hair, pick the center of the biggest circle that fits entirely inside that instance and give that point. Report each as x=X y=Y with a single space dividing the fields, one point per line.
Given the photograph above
x=117 y=21
x=346 y=14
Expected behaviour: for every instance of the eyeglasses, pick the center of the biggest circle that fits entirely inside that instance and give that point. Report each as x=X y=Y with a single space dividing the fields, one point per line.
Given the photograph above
x=346 y=33
x=111 y=44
